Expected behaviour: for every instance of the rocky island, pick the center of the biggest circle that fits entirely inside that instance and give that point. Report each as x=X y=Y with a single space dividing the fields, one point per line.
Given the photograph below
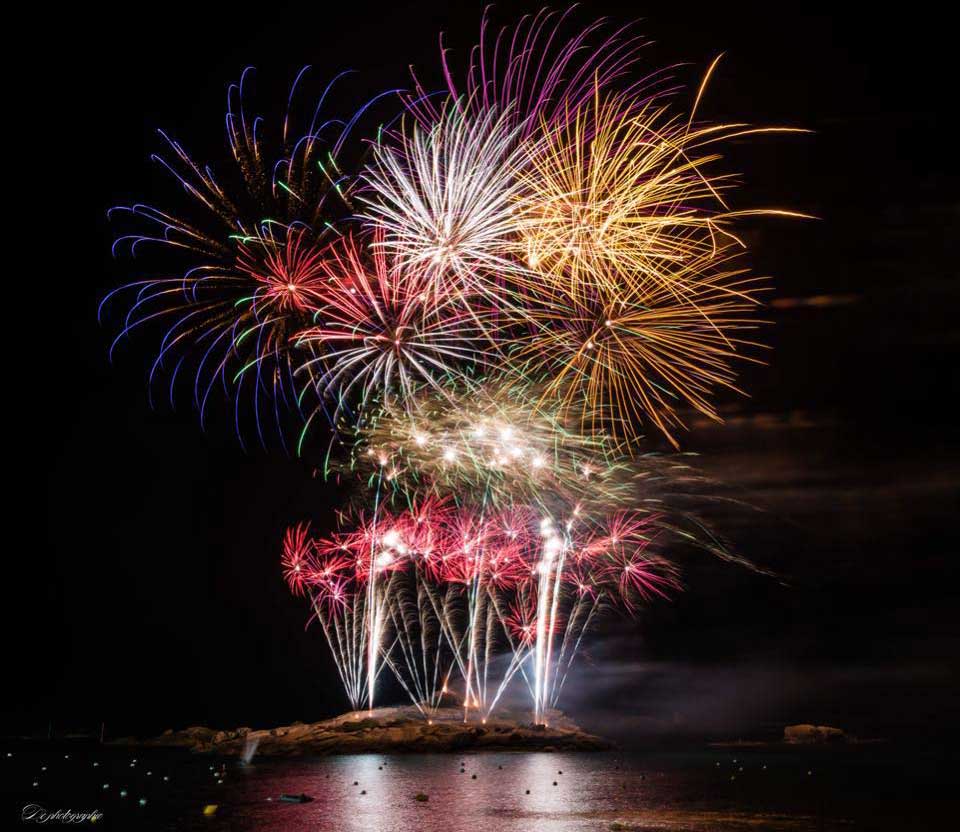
x=386 y=730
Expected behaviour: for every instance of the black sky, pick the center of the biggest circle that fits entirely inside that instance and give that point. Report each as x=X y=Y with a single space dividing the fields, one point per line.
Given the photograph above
x=153 y=596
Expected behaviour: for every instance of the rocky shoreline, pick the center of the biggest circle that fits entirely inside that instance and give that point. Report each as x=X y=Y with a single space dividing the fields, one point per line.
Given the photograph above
x=384 y=730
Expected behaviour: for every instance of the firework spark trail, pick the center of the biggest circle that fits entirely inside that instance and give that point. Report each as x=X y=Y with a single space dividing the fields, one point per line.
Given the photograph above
x=549 y=569
x=321 y=573
x=511 y=578
x=537 y=73
x=344 y=634
x=416 y=623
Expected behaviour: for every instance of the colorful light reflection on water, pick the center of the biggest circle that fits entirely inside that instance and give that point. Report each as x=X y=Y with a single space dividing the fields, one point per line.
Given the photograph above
x=511 y=792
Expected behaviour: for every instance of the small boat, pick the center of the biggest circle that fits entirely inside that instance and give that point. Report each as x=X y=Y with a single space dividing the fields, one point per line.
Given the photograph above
x=295 y=798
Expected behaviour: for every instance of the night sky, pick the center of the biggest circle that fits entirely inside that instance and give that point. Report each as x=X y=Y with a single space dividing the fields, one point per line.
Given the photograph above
x=154 y=598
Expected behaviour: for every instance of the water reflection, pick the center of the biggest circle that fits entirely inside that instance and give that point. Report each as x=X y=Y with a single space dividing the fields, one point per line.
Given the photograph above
x=484 y=793
x=510 y=792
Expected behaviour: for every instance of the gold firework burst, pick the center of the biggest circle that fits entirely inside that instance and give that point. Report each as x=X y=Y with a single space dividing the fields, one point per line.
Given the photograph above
x=627 y=194
x=615 y=358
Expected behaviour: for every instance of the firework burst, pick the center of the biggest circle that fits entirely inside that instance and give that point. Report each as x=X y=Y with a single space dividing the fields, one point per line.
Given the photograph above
x=246 y=249
x=444 y=198
x=614 y=359
x=490 y=445
x=382 y=333
x=489 y=303
x=622 y=194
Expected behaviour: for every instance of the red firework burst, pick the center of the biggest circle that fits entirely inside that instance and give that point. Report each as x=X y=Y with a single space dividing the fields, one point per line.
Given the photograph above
x=289 y=272
x=298 y=558
x=521 y=620
x=383 y=332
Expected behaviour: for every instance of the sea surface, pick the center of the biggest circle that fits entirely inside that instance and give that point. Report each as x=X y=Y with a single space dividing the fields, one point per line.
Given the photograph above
x=859 y=788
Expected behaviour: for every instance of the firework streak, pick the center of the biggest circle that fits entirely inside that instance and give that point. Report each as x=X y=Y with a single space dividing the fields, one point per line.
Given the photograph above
x=486 y=294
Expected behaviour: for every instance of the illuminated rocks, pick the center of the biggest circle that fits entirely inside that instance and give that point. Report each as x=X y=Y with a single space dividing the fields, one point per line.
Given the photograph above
x=813 y=734
x=391 y=730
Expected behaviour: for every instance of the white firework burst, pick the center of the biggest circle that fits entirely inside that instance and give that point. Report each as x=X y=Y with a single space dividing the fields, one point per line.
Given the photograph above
x=444 y=198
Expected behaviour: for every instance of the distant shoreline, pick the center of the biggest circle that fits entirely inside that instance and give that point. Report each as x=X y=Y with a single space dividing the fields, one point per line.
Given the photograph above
x=768 y=745
x=802 y=735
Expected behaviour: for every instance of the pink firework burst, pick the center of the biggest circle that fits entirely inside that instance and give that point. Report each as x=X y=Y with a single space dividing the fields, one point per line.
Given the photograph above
x=465 y=548
x=581 y=580
x=332 y=598
x=536 y=73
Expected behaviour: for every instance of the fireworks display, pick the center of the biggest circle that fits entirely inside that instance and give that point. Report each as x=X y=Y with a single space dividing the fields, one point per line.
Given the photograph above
x=484 y=304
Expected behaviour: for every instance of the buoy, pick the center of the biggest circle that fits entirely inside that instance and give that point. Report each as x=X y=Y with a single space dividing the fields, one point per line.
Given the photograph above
x=473 y=776
x=142 y=801
x=123 y=792
x=106 y=785
x=554 y=782
x=210 y=810
x=165 y=778
x=356 y=782
x=528 y=791
x=364 y=791
x=35 y=784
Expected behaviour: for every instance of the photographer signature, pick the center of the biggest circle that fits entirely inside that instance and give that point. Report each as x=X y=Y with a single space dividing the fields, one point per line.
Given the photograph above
x=35 y=813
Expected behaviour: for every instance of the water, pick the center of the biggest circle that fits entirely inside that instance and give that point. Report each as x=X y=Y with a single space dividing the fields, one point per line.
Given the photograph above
x=848 y=789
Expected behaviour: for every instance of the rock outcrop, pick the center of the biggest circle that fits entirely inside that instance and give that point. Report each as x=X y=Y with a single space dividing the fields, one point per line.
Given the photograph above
x=387 y=730
x=812 y=734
